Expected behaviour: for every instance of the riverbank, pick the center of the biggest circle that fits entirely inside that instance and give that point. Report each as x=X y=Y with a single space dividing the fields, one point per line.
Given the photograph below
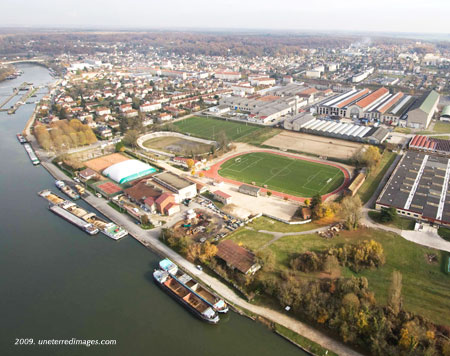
x=150 y=239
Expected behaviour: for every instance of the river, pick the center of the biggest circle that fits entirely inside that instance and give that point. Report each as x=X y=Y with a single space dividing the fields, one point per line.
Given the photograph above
x=59 y=283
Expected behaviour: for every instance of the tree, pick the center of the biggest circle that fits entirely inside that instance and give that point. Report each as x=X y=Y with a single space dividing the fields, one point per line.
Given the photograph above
x=388 y=214
x=190 y=163
x=130 y=138
x=120 y=147
x=350 y=211
x=395 y=293
x=266 y=258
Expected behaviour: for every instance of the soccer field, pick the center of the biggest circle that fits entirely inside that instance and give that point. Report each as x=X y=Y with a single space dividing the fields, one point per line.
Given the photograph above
x=283 y=174
x=210 y=128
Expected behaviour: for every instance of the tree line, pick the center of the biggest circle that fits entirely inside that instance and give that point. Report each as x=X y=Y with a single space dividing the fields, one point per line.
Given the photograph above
x=63 y=135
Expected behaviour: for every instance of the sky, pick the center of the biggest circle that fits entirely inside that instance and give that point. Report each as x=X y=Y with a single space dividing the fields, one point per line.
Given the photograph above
x=417 y=16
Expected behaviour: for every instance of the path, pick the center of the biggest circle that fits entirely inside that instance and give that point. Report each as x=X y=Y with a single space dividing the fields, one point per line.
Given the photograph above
x=213 y=173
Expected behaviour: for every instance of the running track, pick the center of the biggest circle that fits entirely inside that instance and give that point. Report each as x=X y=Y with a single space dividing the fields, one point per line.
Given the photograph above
x=213 y=173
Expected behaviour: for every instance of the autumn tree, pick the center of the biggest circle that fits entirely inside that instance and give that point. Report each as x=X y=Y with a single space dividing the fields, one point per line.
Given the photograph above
x=190 y=163
x=395 y=293
x=350 y=211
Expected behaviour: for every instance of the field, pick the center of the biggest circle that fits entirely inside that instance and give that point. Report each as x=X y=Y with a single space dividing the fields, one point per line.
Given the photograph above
x=426 y=288
x=283 y=174
x=318 y=145
x=177 y=145
x=210 y=128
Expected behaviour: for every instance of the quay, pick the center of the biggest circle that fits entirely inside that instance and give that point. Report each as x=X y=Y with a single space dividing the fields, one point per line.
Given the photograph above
x=15 y=92
x=22 y=100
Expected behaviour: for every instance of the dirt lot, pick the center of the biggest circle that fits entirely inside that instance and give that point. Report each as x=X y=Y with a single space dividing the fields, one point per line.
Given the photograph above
x=324 y=146
x=101 y=163
x=177 y=145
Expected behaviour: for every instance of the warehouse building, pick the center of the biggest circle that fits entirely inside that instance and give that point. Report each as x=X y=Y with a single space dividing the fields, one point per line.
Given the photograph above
x=418 y=188
x=331 y=128
x=422 y=111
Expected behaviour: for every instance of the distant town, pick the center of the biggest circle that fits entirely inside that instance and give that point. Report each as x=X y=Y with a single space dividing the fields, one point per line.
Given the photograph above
x=303 y=181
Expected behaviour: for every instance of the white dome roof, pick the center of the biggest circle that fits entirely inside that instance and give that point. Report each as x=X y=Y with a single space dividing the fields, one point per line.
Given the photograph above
x=125 y=171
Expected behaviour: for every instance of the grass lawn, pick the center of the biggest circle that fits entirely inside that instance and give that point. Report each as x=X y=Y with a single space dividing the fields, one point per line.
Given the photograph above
x=441 y=127
x=375 y=176
x=403 y=130
x=210 y=128
x=253 y=240
x=399 y=222
x=444 y=232
x=283 y=174
x=264 y=223
x=426 y=289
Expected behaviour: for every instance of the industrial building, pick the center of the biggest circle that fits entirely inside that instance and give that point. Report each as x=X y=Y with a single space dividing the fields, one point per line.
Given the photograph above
x=332 y=128
x=422 y=111
x=418 y=188
x=264 y=109
x=428 y=144
x=378 y=105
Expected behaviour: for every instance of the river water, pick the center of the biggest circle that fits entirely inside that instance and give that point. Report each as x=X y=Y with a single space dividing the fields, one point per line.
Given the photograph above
x=56 y=282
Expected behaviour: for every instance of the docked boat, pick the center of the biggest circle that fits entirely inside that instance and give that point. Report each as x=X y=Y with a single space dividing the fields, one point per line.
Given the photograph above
x=185 y=297
x=83 y=225
x=59 y=184
x=217 y=303
x=110 y=229
x=21 y=139
x=31 y=154
x=70 y=192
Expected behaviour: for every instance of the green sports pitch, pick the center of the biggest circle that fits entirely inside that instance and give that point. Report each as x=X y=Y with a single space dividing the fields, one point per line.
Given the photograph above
x=206 y=127
x=283 y=174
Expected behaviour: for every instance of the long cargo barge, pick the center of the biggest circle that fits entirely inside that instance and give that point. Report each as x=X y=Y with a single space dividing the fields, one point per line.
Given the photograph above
x=207 y=296
x=83 y=225
x=109 y=229
x=31 y=154
x=185 y=297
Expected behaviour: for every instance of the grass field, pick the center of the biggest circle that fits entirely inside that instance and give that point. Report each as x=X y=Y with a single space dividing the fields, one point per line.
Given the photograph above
x=177 y=145
x=283 y=174
x=210 y=128
x=426 y=288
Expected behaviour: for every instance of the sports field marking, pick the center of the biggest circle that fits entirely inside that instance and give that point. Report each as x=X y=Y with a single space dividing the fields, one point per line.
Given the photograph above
x=276 y=174
x=255 y=161
x=331 y=181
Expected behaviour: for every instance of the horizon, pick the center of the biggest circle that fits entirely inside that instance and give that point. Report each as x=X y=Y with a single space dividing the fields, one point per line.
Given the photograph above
x=402 y=17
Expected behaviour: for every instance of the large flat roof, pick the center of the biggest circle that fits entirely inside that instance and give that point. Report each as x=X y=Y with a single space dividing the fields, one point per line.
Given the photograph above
x=420 y=184
x=173 y=180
